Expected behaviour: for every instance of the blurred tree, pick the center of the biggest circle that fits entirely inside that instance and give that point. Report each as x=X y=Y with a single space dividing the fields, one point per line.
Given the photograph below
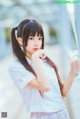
x=53 y=32
x=7 y=34
x=53 y=35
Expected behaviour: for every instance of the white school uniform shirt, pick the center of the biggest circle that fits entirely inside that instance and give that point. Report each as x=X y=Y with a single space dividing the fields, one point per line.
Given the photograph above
x=33 y=101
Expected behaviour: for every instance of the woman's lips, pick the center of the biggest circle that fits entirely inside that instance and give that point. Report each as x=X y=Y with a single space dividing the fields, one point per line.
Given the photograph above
x=35 y=49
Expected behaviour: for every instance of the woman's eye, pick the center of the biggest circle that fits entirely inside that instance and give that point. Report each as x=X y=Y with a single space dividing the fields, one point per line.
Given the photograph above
x=40 y=38
x=31 y=38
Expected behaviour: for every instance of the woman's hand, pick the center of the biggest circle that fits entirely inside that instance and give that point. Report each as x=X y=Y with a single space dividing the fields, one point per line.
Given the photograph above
x=40 y=54
x=75 y=66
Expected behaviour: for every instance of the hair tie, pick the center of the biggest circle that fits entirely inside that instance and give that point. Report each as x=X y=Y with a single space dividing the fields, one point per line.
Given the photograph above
x=15 y=28
x=31 y=20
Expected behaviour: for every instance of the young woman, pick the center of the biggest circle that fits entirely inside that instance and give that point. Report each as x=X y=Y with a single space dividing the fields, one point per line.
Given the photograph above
x=35 y=75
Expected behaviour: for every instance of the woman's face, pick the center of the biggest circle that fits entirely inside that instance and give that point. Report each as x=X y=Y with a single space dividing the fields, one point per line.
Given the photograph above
x=34 y=43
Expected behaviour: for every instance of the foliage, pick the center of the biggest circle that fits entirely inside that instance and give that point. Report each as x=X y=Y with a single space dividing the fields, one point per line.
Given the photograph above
x=7 y=34
x=53 y=32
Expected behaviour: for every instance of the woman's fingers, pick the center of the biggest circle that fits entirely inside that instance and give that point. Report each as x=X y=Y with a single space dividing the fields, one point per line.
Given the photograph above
x=41 y=53
x=75 y=66
x=43 y=56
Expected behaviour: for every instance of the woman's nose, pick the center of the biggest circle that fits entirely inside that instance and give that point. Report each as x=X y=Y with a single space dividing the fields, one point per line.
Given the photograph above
x=36 y=41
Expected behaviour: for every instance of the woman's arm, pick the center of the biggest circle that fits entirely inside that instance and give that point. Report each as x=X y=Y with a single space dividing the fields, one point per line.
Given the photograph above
x=67 y=83
x=70 y=79
x=39 y=69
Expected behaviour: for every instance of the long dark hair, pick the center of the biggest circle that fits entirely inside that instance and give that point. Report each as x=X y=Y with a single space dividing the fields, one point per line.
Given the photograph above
x=24 y=30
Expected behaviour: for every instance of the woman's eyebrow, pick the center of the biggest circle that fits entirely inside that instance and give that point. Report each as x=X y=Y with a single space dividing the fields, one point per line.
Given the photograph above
x=40 y=36
x=31 y=36
x=34 y=36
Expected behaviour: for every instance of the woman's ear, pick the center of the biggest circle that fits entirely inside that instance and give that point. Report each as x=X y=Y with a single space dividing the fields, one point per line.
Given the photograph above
x=20 y=41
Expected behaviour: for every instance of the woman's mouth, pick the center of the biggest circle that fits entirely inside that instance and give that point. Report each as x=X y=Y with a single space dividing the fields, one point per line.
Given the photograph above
x=35 y=49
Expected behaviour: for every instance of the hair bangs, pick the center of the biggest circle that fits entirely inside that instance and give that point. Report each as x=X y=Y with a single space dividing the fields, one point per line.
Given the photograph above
x=34 y=28
x=31 y=29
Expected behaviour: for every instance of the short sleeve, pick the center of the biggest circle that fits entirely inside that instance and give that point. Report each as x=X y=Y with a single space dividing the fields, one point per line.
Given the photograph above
x=20 y=75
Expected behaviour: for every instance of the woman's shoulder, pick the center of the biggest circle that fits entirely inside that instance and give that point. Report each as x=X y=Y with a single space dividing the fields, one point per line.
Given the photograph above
x=15 y=64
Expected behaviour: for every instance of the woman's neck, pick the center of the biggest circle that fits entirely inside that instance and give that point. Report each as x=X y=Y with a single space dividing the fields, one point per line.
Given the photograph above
x=29 y=56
